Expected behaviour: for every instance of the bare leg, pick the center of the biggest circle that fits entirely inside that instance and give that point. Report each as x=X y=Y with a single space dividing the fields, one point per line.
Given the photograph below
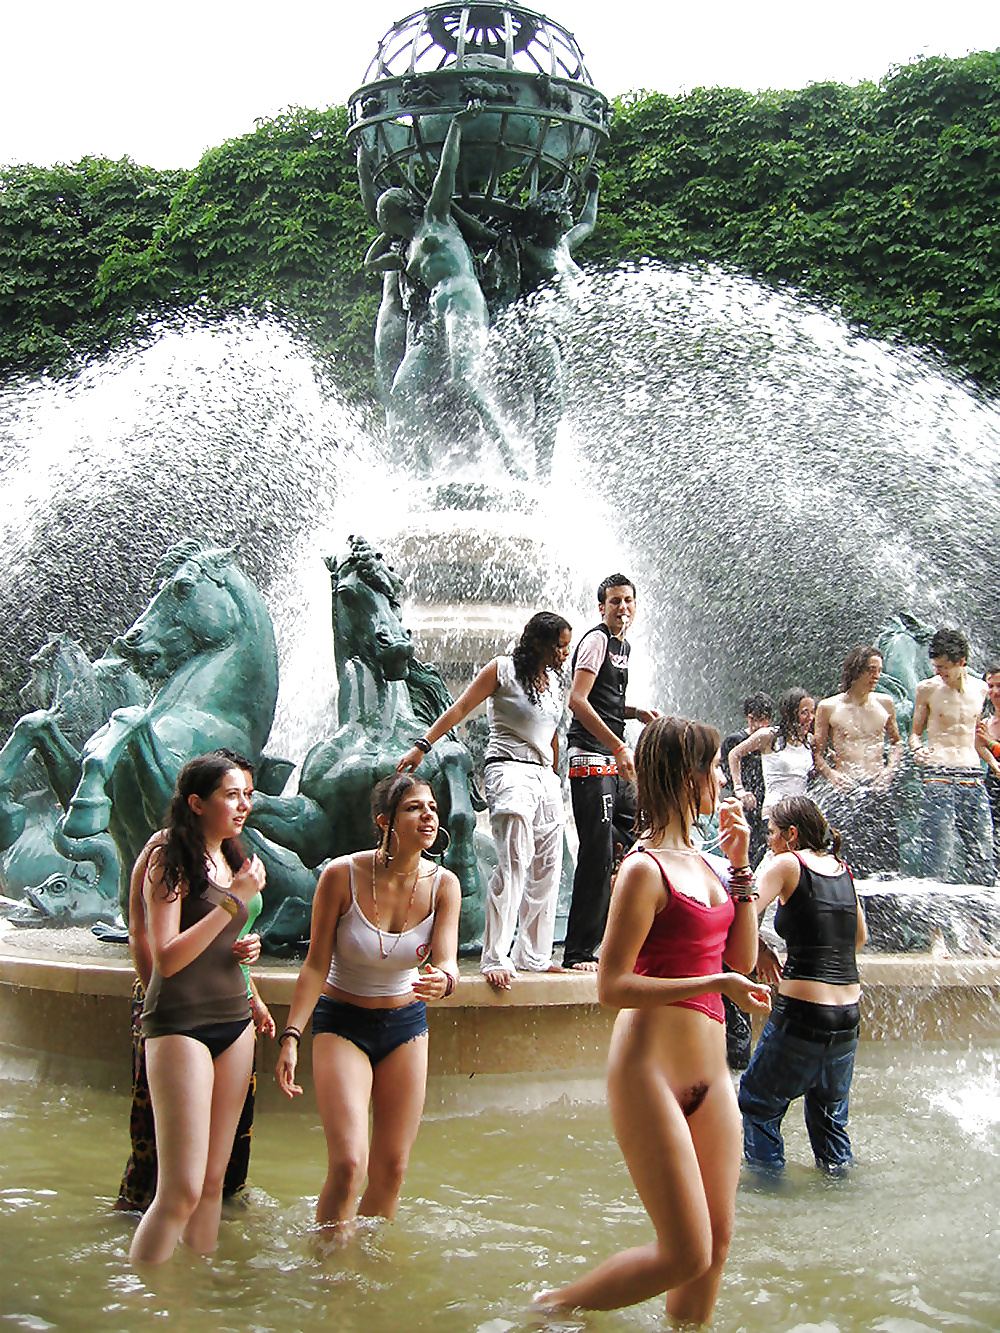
x=716 y=1133
x=181 y=1083
x=692 y=1217
x=399 y=1088
x=342 y=1077
x=232 y=1078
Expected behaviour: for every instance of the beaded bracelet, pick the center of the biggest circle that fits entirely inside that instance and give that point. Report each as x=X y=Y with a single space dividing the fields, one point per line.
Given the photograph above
x=422 y=743
x=742 y=888
x=294 y=1033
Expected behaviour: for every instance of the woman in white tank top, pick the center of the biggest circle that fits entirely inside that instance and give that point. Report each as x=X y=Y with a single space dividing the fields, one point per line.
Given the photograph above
x=523 y=792
x=786 y=751
x=383 y=941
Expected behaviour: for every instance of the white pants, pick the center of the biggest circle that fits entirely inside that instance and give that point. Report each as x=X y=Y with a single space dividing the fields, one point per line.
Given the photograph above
x=526 y=817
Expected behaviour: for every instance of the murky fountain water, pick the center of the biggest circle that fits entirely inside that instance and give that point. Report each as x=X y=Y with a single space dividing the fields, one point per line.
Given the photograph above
x=513 y=1186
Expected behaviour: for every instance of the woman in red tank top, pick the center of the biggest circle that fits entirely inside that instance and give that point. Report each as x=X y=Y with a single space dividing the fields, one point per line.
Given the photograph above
x=672 y=924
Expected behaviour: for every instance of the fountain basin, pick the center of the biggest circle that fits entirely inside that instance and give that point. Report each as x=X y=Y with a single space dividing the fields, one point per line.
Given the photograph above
x=64 y=1012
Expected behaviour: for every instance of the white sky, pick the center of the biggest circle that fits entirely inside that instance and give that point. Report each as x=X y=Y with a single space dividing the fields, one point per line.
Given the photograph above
x=160 y=83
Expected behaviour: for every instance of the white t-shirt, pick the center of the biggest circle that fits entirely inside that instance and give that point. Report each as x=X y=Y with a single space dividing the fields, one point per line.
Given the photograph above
x=520 y=729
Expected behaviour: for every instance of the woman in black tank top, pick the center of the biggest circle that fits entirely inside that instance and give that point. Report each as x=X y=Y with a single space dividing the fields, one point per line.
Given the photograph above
x=807 y=1047
x=199 y=1035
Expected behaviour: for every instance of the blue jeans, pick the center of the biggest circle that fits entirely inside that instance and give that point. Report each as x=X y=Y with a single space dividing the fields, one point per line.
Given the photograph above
x=954 y=810
x=799 y=1055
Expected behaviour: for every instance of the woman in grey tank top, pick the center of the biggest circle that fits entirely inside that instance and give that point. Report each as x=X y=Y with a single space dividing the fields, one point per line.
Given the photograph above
x=196 y=1020
x=525 y=706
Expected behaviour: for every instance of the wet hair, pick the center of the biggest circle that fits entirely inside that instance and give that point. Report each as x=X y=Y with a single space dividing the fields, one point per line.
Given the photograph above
x=856 y=663
x=805 y=816
x=758 y=705
x=540 y=634
x=386 y=798
x=788 y=716
x=183 y=855
x=992 y=669
x=613 y=581
x=949 y=643
x=673 y=759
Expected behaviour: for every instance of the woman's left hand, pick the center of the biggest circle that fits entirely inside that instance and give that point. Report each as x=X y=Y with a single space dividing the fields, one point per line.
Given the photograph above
x=247 y=949
x=262 y=1020
x=431 y=984
x=734 y=832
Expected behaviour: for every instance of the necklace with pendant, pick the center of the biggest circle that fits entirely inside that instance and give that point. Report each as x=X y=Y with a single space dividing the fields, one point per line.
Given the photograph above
x=409 y=907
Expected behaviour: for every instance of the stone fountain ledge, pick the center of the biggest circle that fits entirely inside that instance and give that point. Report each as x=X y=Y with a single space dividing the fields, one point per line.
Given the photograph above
x=64 y=1010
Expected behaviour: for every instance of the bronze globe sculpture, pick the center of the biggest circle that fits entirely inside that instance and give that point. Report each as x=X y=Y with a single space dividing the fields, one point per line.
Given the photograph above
x=476 y=132
x=541 y=120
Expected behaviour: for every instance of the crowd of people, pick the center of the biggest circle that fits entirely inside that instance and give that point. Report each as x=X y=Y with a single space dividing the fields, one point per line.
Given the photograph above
x=799 y=800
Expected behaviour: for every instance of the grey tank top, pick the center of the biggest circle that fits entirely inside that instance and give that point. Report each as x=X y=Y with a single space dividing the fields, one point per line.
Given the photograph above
x=211 y=989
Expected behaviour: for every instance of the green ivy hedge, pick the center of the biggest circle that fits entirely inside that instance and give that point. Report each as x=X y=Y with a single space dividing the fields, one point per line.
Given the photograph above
x=879 y=199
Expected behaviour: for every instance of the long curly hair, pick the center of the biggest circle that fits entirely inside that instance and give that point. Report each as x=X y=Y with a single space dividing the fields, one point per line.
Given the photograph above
x=539 y=636
x=183 y=855
x=673 y=759
x=788 y=729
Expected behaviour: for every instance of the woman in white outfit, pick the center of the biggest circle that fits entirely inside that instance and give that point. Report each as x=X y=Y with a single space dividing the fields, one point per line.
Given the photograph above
x=785 y=750
x=524 y=708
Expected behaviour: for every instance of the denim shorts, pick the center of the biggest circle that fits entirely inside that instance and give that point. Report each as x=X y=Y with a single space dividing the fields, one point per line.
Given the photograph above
x=377 y=1032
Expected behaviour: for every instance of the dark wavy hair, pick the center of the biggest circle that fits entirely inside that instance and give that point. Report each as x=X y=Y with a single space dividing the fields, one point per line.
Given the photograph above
x=672 y=760
x=788 y=716
x=183 y=855
x=539 y=635
x=950 y=644
x=815 y=834
x=856 y=663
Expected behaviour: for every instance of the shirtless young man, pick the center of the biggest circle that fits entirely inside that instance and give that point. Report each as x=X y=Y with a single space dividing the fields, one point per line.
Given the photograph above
x=953 y=806
x=851 y=731
x=988 y=749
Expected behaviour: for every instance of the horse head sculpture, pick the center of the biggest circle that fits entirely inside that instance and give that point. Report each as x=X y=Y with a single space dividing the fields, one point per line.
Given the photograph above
x=368 y=633
x=207 y=641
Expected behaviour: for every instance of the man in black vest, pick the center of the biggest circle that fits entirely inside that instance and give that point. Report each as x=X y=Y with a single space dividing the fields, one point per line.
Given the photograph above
x=601 y=767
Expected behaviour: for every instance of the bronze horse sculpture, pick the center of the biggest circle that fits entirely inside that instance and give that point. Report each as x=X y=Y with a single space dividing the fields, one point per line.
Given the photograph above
x=68 y=698
x=385 y=698
x=206 y=644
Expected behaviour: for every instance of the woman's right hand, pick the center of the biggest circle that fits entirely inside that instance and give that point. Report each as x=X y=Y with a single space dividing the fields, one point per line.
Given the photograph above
x=249 y=879
x=753 y=997
x=284 y=1072
x=410 y=760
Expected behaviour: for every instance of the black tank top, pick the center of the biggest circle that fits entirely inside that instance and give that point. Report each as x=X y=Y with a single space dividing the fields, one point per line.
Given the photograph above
x=819 y=923
x=607 y=696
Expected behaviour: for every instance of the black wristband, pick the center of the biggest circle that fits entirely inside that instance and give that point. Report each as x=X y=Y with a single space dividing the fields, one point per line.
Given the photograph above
x=422 y=743
x=294 y=1033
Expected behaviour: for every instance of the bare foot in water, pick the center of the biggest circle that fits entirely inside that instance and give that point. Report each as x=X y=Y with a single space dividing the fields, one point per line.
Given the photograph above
x=498 y=978
x=589 y=966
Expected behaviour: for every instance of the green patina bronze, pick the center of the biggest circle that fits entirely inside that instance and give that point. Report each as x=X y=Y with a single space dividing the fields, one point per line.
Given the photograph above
x=205 y=644
x=385 y=698
x=39 y=771
x=476 y=131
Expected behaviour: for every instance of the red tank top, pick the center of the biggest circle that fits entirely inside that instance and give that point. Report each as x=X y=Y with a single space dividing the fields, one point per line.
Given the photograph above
x=686 y=939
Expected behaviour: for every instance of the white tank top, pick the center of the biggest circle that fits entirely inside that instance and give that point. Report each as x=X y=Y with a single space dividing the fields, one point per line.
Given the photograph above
x=357 y=966
x=785 y=773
